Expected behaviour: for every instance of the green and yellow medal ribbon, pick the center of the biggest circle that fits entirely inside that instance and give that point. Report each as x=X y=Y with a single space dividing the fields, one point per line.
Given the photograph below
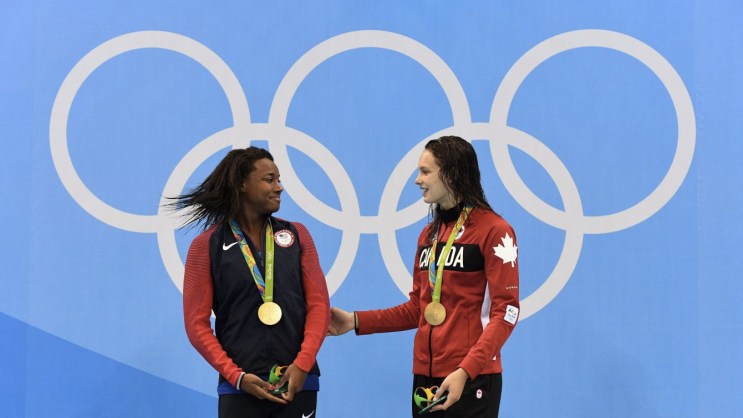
x=435 y=312
x=269 y=313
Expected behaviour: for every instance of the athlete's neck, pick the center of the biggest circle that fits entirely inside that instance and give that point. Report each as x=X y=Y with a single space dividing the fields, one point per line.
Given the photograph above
x=451 y=214
x=252 y=225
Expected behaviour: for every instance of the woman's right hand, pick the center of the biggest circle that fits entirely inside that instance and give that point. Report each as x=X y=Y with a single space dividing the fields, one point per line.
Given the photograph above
x=340 y=321
x=254 y=385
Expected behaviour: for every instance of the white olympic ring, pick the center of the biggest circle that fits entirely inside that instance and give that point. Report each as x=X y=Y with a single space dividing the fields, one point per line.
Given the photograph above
x=388 y=220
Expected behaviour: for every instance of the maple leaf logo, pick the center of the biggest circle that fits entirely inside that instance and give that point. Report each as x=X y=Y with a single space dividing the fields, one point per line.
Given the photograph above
x=506 y=251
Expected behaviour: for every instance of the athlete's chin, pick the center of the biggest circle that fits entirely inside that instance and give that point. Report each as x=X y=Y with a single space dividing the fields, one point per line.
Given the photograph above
x=269 y=210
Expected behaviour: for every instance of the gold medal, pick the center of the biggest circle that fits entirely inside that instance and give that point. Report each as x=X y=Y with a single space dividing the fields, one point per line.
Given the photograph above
x=435 y=313
x=269 y=313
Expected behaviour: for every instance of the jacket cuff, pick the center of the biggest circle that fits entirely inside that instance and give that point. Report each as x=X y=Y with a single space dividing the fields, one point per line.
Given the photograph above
x=304 y=362
x=471 y=367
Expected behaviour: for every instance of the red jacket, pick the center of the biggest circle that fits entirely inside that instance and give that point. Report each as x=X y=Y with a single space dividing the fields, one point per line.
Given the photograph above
x=217 y=278
x=479 y=291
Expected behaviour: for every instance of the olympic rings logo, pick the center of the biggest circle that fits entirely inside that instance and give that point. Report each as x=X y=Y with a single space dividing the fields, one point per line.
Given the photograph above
x=388 y=220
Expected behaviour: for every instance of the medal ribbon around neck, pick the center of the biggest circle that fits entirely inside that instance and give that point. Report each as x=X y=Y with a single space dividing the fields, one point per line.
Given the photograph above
x=436 y=273
x=264 y=287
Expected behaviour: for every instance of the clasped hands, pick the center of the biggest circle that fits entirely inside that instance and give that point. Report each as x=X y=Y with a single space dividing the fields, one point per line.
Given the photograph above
x=293 y=377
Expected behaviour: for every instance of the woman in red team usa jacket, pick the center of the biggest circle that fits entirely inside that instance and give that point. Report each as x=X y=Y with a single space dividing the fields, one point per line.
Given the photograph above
x=261 y=277
x=465 y=297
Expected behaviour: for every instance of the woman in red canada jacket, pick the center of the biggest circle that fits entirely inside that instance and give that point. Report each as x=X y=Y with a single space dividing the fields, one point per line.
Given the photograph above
x=465 y=297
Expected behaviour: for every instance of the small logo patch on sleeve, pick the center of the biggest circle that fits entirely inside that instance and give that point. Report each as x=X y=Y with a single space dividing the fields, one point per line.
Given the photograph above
x=512 y=314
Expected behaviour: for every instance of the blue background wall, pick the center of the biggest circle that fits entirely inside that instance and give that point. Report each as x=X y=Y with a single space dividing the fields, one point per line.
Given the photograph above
x=608 y=133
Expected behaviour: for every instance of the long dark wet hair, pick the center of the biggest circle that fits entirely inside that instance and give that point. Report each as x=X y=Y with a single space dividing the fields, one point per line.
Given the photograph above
x=217 y=199
x=460 y=173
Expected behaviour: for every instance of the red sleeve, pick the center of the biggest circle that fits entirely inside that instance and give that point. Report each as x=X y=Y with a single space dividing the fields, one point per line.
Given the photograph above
x=502 y=270
x=317 y=300
x=197 y=307
x=397 y=318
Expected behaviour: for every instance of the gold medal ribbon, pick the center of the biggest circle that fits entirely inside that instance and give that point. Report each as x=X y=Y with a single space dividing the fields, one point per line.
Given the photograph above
x=264 y=287
x=436 y=272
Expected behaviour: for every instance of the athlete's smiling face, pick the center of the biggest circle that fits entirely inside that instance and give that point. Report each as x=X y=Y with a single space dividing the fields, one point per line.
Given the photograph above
x=261 y=190
x=430 y=181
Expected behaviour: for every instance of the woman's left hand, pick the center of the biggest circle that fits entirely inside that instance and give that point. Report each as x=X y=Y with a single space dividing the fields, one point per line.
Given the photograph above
x=295 y=377
x=454 y=384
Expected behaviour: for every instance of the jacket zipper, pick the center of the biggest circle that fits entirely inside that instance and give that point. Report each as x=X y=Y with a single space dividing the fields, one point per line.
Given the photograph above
x=430 y=351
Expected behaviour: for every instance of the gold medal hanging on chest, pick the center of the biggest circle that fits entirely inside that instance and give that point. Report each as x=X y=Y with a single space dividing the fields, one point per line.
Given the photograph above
x=435 y=312
x=269 y=313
